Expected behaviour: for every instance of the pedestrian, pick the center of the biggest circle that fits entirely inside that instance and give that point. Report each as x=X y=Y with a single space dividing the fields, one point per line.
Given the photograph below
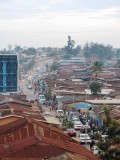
x=46 y=103
x=92 y=143
x=50 y=108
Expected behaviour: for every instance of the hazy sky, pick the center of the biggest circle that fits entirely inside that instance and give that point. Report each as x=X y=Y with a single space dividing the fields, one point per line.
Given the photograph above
x=41 y=23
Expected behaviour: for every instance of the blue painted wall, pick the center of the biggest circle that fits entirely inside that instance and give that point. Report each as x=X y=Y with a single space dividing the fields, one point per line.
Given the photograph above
x=8 y=73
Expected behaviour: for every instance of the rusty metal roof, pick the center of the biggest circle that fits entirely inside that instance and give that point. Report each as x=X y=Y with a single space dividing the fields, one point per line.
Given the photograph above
x=10 y=100
x=29 y=147
x=7 y=128
x=13 y=109
x=51 y=136
x=41 y=147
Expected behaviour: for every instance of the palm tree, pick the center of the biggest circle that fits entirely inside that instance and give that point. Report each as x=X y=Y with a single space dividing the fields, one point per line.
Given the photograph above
x=96 y=68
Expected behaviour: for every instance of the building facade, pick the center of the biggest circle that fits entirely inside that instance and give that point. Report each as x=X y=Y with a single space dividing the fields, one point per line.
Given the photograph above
x=9 y=73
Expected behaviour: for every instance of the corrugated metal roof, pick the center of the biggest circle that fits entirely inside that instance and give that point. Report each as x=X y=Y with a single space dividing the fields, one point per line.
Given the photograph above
x=106 y=101
x=52 y=120
x=15 y=101
x=12 y=126
x=54 y=148
x=29 y=148
x=8 y=109
x=70 y=147
x=65 y=98
x=50 y=135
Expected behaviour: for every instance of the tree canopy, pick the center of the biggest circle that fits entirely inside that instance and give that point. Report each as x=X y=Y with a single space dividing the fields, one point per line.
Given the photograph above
x=99 y=51
x=118 y=53
x=110 y=149
x=30 y=51
x=95 y=87
x=118 y=63
x=70 y=49
x=54 y=66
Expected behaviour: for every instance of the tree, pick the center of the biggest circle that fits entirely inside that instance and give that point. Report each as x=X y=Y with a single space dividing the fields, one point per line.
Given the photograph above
x=9 y=47
x=54 y=66
x=118 y=53
x=66 y=57
x=98 y=50
x=96 y=68
x=118 y=63
x=31 y=64
x=110 y=149
x=71 y=43
x=48 y=94
x=17 y=48
x=4 y=51
x=107 y=119
x=30 y=51
x=69 y=49
x=95 y=88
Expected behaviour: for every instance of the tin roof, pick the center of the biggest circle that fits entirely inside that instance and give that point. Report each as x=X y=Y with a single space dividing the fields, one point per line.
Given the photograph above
x=52 y=120
x=14 y=109
x=56 y=141
x=14 y=101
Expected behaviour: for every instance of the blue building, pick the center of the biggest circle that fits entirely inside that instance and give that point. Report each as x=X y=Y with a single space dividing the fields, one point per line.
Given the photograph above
x=8 y=73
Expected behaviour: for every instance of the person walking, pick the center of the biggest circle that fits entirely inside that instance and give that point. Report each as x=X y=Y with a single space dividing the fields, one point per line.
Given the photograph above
x=92 y=143
x=50 y=108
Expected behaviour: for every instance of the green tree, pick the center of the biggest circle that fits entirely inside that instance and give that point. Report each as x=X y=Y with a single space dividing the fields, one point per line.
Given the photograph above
x=66 y=57
x=118 y=53
x=107 y=119
x=4 y=51
x=110 y=147
x=95 y=88
x=70 y=45
x=54 y=66
x=96 y=68
x=31 y=64
x=69 y=49
x=48 y=94
x=118 y=63
x=30 y=51
x=98 y=50
x=66 y=124
x=9 y=47
x=17 y=48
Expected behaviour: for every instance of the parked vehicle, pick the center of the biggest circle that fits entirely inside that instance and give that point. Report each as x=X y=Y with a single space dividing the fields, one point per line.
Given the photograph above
x=77 y=124
x=42 y=99
x=96 y=150
x=104 y=137
x=46 y=114
x=85 y=128
x=71 y=132
x=74 y=119
x=29 y=86
x=59 y=113
x=84 y=138
x=30 y=100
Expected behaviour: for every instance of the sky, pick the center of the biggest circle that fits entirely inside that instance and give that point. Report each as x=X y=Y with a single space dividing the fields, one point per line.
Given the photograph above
x=48 y=23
